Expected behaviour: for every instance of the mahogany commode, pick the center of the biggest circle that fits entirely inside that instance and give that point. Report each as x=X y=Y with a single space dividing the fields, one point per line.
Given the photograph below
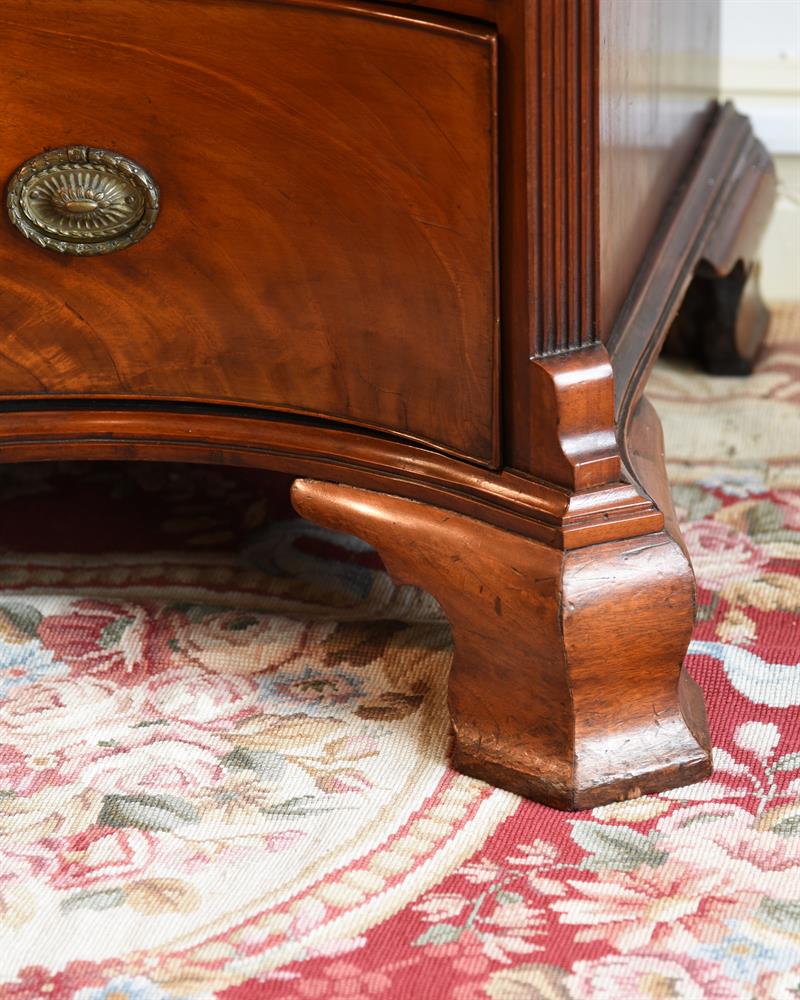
x=422 y=260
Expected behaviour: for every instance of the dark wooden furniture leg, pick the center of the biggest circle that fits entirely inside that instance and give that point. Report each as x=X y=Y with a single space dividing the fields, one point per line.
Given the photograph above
x=722 y=321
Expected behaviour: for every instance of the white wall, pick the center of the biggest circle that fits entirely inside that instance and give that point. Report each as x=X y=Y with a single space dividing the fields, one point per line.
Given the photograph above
x=761 y=67
x=760 y=71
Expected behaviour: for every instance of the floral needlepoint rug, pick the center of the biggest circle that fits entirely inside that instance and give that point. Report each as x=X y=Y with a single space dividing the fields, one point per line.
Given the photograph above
x=223 y=751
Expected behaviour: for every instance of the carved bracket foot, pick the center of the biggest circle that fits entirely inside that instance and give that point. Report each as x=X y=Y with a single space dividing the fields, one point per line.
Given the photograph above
x=566 y=684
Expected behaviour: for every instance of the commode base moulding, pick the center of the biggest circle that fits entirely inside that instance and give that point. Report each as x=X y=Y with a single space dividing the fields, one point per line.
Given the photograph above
x=422 y=261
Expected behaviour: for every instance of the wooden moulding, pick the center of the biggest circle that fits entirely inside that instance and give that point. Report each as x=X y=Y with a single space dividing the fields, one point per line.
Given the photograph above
x=516 y=501
x=563 y=140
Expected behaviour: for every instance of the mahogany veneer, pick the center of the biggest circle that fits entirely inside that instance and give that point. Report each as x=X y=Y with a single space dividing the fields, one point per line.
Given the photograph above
x=423 y=260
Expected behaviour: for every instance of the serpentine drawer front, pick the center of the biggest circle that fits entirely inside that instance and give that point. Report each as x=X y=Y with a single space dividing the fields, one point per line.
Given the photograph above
x=324 y=242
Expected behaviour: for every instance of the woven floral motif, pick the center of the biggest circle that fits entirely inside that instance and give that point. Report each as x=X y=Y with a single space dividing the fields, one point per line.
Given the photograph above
x=223 y=753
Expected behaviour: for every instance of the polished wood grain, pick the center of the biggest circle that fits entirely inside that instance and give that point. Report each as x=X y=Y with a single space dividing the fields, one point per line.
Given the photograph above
x=566 y=684
x=326 y=243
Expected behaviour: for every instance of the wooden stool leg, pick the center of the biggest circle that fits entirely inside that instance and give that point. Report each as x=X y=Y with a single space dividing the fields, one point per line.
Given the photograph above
x=566 y=684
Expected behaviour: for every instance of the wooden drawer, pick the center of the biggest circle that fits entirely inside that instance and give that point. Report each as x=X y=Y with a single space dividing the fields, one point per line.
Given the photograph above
x=326 y=238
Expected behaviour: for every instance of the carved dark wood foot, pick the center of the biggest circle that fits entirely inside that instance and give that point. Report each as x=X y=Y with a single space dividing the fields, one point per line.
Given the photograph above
x=566 y=684
x=722 y=321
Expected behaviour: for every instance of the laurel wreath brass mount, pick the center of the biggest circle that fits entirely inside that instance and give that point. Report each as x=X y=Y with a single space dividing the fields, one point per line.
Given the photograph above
x=82 y=201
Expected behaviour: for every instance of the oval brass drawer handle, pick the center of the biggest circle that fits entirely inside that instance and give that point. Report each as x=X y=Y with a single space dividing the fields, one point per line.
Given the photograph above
x=83 y=201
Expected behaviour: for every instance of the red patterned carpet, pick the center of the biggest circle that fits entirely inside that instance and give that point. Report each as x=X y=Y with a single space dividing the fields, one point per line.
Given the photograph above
x=223 y=752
